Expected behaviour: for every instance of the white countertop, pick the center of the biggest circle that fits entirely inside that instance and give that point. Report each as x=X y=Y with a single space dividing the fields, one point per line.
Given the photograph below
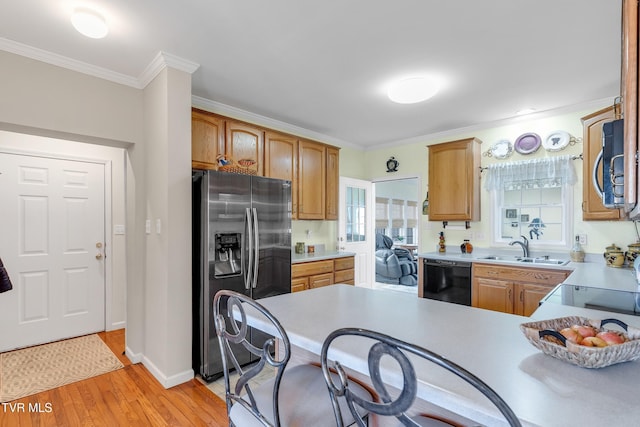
x=541 y=390
x=318 y=256
x=593 y=273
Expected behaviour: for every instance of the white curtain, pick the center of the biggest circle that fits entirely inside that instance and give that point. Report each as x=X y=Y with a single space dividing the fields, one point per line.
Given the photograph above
x=548 y=172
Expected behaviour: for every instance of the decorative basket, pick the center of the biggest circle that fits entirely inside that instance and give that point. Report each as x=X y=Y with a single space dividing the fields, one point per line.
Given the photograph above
x=586 y=357
x=243 y=166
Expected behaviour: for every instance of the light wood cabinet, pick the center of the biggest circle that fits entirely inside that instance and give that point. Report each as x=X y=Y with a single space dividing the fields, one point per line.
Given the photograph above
x=311 y=180
x=454 y=181
x=332 y=187
x=629 y=90
x=207 y=139
x=516 y=290
x=314 y=274
x=281 y=161
x=312 y=167
x=245 y=142
x=592 y=207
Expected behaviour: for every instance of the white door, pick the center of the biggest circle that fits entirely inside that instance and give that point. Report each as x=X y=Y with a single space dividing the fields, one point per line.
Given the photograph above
x=356 y=230
x=52 y=228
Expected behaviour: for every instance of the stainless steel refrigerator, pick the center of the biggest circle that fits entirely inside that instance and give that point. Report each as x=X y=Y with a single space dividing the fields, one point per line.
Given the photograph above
x=241 y=242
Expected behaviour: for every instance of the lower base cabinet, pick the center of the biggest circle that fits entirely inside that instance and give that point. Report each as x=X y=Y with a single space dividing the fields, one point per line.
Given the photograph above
x=510 y=289
x=315 y=274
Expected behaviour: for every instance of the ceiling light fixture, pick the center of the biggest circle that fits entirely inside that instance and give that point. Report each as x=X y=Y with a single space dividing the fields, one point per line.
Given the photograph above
x=413 y=90
x=89 y=23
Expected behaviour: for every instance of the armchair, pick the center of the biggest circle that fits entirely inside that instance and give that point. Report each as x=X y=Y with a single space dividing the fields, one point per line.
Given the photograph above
x=394 y=265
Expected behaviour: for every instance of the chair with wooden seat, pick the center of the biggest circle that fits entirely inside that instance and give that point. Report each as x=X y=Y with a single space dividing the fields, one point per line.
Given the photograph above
x=400 y=405
x=266 y=392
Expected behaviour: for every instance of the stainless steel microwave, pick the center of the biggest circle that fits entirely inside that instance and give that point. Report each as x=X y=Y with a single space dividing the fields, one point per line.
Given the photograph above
x=612 y=158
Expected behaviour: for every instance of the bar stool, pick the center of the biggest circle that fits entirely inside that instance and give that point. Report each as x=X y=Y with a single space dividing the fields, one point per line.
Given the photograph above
x=264 y=393
x=384 y=345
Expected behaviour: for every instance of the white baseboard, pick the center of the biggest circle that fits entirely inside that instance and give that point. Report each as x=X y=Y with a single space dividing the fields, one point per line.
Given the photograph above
x=133 y=357
x=167 y=382
x=117 y=325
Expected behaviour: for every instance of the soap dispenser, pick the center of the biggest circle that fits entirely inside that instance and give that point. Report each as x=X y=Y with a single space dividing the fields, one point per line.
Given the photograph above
x=577 y=254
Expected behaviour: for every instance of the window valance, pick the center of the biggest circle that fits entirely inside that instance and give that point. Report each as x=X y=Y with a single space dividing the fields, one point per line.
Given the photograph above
x=548 y=172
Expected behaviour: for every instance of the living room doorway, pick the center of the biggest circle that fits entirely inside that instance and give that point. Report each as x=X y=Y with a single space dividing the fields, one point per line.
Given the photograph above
x=397 y=233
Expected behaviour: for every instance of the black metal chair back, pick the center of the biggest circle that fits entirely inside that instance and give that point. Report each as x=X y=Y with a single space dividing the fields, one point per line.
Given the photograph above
x=233 y=333
x=400 y=405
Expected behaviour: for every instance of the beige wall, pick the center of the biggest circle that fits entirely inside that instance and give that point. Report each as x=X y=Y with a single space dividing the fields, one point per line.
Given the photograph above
x=47 y=101
x=413 y=160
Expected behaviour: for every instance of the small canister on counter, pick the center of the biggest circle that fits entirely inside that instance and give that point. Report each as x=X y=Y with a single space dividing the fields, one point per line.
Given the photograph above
x=300 y=247
x=632 y=253
x=311 y=249
x=614 y=256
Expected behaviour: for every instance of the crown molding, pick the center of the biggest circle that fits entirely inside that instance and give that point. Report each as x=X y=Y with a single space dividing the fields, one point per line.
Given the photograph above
x=589 y=105
x=237 y=113
x=68 y=63
x=163 y=60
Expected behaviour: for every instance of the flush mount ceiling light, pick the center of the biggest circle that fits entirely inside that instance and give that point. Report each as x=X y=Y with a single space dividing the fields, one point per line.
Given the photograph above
x=412 y=90
x=89 y=23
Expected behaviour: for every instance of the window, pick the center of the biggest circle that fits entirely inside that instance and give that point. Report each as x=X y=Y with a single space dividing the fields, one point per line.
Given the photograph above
x=539 y=214
x=356 y=220
x=533 y=199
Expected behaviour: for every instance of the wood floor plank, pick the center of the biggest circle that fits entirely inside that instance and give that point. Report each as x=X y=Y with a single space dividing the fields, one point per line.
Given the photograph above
x=130 y=396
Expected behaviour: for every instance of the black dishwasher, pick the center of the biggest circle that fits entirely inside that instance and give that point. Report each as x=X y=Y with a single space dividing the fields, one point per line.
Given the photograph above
x=446 y=280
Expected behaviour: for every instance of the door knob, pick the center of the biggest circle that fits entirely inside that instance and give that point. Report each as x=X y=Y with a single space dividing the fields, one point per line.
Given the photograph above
x=98 y=256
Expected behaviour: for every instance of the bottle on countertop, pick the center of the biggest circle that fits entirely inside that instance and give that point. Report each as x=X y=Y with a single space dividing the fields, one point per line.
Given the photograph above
x=441 y=243
x=577 y=254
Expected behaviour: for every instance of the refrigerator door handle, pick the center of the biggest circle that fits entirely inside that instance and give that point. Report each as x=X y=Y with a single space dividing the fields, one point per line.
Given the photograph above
x=248 y=277
x=256 y=248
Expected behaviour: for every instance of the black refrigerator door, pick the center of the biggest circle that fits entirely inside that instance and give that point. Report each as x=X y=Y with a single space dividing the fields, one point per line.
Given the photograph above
x=271 y=202
x=226 y=199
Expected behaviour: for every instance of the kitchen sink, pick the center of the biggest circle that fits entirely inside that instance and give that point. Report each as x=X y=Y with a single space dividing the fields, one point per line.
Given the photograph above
x=519 y=259
x=550 y=261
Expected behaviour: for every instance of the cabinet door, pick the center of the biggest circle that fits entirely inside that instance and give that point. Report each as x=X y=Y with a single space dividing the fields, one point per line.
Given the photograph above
x=299 y=284
x=529 y=297
x=207 y=139
x=320 y=280
x=454 y=181
x=333 y=176
x=592 y=207
x=311 y=180
x=492 y=294
x=245 y=142
x=281 y=161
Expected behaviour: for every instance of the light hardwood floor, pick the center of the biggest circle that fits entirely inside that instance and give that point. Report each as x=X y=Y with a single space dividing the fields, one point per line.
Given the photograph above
x=126 y=397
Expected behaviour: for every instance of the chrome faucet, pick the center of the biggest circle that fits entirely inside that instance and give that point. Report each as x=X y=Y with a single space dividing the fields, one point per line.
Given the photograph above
x=524 y=244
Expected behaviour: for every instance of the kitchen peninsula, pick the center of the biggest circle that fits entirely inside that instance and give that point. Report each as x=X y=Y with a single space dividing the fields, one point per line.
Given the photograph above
x=541 y=390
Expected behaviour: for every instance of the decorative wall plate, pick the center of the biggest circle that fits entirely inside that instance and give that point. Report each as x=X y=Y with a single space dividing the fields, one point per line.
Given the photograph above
x=528 y=143
x=557 y=141
x=501 y=149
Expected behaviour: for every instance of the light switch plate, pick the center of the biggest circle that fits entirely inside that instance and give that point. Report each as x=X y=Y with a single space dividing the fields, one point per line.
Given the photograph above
x=147 y=226
x=118 y=229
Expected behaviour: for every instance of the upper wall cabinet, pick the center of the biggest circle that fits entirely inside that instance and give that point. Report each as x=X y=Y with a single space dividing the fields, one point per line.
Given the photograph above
x=312 y=167
x=454 y=181
x=207 y=139
x=333 y=177
x=245 y=143
x=312 y=176
x=281 y=161
x=592 y=207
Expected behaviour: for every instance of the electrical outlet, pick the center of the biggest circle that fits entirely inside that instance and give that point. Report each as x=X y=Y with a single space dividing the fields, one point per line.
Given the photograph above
x=582 y=238
x=147 y=226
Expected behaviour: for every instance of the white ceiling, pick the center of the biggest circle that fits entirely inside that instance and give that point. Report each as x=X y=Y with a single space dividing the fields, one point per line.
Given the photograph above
x=322 y=65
